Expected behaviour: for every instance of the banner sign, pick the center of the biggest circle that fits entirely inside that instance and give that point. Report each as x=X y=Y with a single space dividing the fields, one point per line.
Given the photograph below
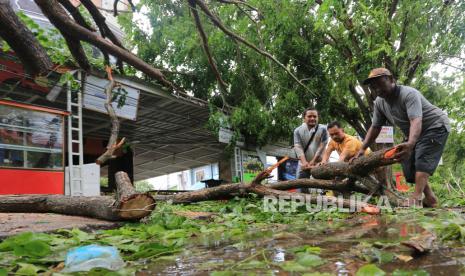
x=95 y=98
x=386 y=136
x=225 y=135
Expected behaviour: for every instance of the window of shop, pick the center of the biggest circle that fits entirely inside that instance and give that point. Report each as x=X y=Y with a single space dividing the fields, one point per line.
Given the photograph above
x=30 y=139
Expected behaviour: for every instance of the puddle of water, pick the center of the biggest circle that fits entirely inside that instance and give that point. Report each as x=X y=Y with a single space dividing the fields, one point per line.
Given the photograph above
x=342 y=245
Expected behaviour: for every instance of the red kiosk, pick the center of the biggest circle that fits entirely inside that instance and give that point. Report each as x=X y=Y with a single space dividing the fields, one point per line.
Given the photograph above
x=31 y=149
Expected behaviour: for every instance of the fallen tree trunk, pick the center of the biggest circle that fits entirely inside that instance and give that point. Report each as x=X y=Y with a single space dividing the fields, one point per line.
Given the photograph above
x=242 y=189
x=129 y=205
x=360 y=167
x=334 y=185
x=96 y=206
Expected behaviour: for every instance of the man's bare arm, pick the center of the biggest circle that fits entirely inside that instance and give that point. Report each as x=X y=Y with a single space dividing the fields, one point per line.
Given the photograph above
x=326 y=155
x=405 y=149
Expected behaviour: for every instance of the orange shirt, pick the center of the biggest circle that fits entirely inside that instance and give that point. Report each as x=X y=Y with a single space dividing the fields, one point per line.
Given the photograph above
x=350 y=144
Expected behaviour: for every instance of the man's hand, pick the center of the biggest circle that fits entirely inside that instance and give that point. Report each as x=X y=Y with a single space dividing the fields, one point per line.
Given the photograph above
x=303 y=165
x=404 y=150
x=361 y=152
x=308 y=165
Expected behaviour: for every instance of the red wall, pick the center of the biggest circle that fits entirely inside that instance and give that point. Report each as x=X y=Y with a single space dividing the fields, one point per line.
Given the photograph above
x=14 y=181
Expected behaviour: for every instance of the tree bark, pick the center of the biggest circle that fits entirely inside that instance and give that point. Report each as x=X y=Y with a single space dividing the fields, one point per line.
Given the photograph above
x=77 y=52
x=242 y=189
x=74 y=12
x=95 y=207
x=105 y=31
x=129 y=204
x=115 y=125
x=334 y=185
x=26 y=47
x=360 y=167
x=203 y=36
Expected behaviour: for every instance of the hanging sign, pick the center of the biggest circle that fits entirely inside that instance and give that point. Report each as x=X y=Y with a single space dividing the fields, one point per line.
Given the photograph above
x=95 y=98
x=225 y=135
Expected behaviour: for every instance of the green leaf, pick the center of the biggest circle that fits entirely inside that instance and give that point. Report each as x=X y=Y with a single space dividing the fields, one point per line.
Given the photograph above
x=293 y=266
x=33 y=248
x=27 y=269
x=370 y=270
x=3 y=272
x=309 y=260
x=399 y=272
x=174 y=222
x=383 y=256
x=306 y=248
x=254 y=264
x=28 y=244
x=152 y=250
x=5 y=46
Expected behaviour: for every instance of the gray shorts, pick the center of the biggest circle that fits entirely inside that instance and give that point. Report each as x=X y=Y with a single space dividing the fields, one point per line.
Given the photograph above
x=426 y=154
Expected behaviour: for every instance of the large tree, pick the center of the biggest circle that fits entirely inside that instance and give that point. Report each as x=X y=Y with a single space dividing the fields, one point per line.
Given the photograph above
x=263 y=61
x=328 y=45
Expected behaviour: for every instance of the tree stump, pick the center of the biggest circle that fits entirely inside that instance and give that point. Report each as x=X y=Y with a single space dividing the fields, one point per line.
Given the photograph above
x=129 y=203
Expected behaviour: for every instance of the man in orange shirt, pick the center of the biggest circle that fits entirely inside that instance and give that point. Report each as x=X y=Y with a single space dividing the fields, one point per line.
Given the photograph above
x=345 y=145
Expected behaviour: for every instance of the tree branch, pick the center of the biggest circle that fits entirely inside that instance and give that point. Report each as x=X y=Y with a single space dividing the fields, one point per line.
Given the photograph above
x=353 y=118
x=115 y=7
x=370 y=97
x=334 y=185
x=222 y=85
x=58 y=17
x=246 y=13
x=387 y=59
x=360 y=167
x=217 y=22
x=77 y=52
x=412 y=68
x=344 y=50
x=403 y=36
x=392 y=9
x=74 y=45
x=76 y=14
x=25 y=45
x=239 y=3
x=365 y=110
x=104 y=29
x=112 y=142
x=349 y=26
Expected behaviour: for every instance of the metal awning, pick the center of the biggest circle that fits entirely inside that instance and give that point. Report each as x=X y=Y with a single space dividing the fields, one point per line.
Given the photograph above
x=169 y=134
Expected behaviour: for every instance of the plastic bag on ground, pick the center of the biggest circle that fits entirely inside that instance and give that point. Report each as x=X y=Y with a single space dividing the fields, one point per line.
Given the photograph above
x=85 y=258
